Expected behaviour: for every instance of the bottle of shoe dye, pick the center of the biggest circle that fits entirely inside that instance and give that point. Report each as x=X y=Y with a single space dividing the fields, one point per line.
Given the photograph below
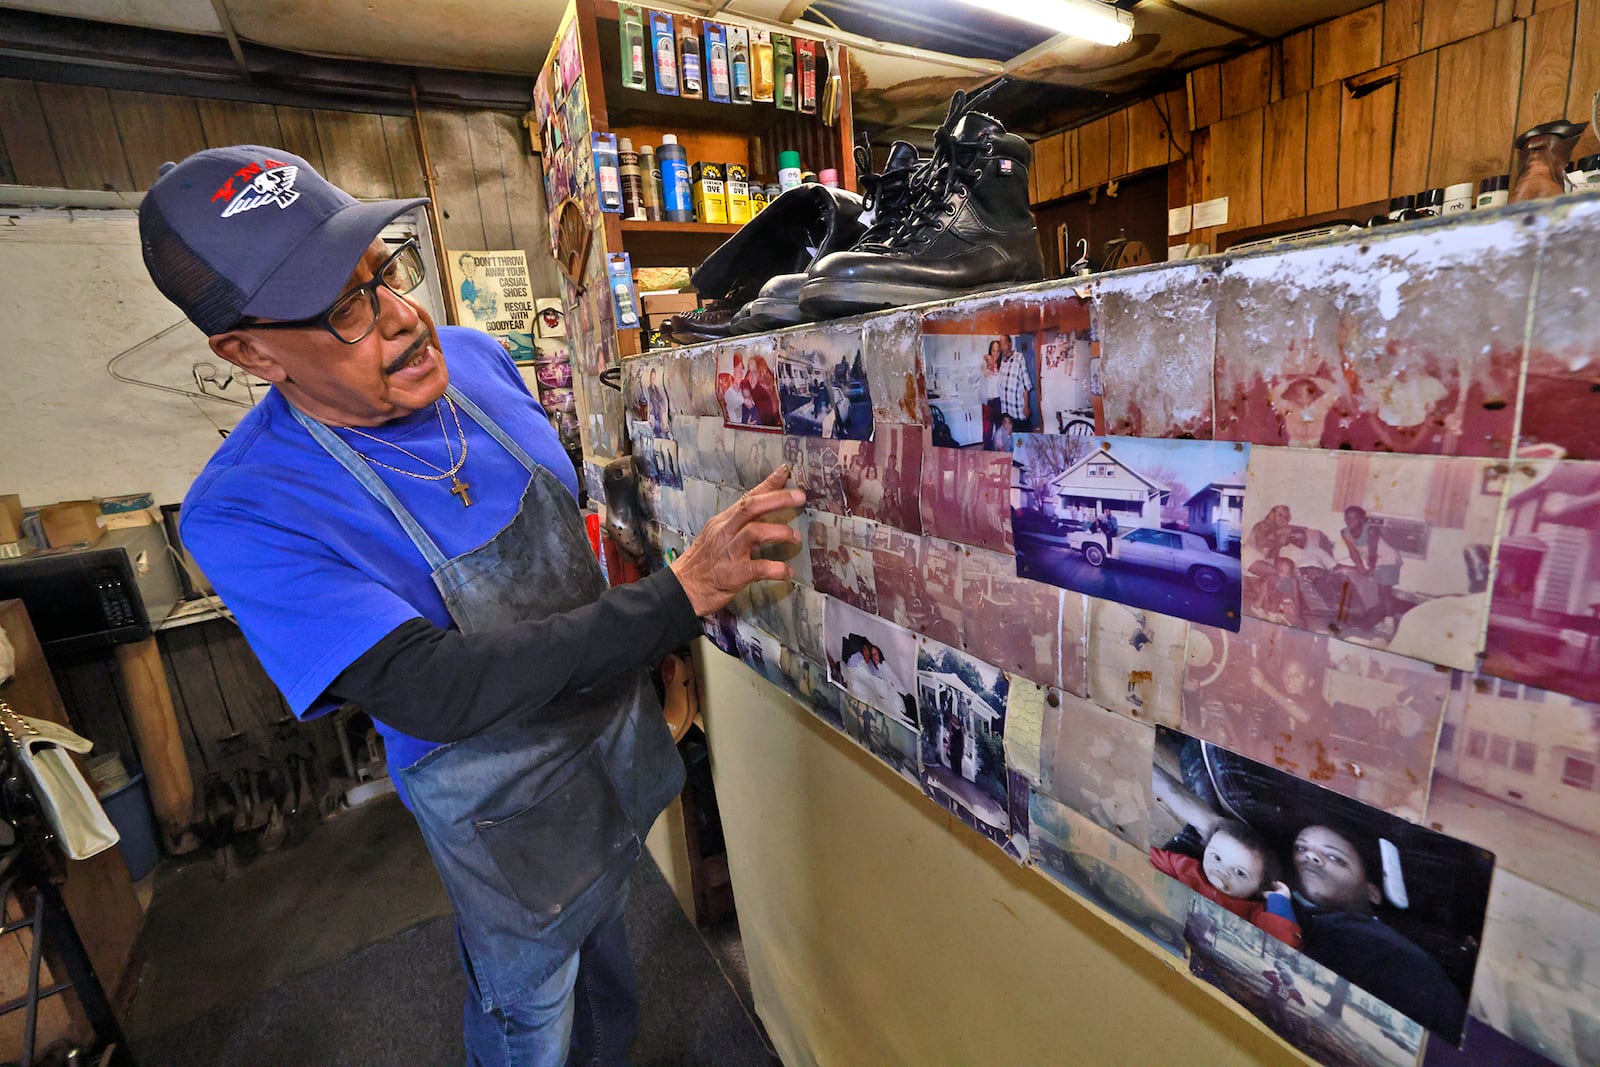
x=675 y=192
x=650 y=184
x=632 y=180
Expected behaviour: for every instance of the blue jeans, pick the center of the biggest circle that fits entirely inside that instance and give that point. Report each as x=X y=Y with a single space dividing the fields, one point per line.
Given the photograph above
x=584 y=1015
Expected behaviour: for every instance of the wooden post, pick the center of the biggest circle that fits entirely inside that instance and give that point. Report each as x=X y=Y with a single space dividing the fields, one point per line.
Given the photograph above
x=155 y=731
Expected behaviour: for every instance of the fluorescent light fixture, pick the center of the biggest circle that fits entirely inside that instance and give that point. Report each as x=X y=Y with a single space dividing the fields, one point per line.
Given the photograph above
x=1089 y=19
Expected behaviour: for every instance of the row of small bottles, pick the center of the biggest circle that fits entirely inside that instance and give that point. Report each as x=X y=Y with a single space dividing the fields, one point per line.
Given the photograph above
x=659 y=184
x=1492 y=191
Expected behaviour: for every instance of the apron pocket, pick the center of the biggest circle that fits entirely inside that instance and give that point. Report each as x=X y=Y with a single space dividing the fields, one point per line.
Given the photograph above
x=551 y=851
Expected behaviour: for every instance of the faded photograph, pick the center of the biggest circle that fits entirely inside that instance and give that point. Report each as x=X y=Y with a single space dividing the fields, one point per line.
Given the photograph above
x=1390 y=905
x=808 y=682
x=962 y=706
x=715 y=447
x=1093 y=761
x=1309 y=1006
x=891 y=344
x=994 y=369
x=821 y=474
x=1561 y=404
x=758 y=650
x=755 y=456
x=1108 y=872
x=842 y=559
x=1405 y=343
x=665 y=461
x=1009 y=621
x=700 y=503
x=881 y=478
x=919 y=583
x=1539 y=976
x=965 y=493
x=1151 y=524
x=1382 y=550
x=1358 y=720
x=1544 y=611
x=891 y=740
x=822 y=385
x=873 y=660
x=1158 y=336
x=690 y=383
x=1518 y=772
x=1136 y=661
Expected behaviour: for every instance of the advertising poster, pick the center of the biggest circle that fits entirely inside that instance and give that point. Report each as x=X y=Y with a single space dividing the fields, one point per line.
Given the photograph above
x=493 y=294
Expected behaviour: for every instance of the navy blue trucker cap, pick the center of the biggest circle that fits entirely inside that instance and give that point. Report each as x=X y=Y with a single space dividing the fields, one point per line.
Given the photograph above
x=254 y=232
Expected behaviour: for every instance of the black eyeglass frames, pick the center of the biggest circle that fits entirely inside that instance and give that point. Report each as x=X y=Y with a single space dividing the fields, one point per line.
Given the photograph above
x=354 y=315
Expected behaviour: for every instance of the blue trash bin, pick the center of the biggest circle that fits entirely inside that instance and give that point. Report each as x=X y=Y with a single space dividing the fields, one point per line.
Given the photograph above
x=128 y=808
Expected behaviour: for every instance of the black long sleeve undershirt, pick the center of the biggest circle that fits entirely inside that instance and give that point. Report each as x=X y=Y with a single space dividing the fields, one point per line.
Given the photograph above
x=442 y=685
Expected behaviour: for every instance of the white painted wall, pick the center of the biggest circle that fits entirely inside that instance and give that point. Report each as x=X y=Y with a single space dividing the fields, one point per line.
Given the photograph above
x=74 y=293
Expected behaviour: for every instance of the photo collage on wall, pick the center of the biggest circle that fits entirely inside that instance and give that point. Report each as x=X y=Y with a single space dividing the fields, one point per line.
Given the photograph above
x=1237 y=609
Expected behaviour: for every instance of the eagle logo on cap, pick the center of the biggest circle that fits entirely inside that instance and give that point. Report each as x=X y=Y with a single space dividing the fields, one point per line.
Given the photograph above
x=274 y=185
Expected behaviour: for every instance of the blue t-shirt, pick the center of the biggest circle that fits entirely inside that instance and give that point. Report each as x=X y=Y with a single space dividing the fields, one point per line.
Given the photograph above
x=315 y=570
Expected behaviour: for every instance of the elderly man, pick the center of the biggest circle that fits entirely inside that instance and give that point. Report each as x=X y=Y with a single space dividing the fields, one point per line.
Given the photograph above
x=1016 y=387
x=395 y=526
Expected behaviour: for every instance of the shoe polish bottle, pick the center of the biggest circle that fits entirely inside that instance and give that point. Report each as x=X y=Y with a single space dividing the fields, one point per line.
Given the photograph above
x=675 y=193
x=632 y=179
x=650 y=185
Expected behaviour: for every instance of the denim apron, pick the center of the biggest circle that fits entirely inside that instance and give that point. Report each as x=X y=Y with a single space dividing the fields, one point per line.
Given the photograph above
x=535 y=823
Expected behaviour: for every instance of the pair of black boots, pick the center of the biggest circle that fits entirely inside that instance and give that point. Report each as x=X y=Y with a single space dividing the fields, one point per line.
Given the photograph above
x=954 y=224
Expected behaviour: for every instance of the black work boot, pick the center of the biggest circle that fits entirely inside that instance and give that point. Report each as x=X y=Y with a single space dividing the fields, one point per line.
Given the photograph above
x=970 y=228
x=887 y=197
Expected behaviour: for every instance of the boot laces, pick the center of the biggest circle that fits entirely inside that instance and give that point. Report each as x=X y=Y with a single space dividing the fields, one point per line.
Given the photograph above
x=951 y=165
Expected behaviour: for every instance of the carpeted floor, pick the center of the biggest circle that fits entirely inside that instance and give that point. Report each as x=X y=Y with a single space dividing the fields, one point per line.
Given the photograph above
x=340 y=951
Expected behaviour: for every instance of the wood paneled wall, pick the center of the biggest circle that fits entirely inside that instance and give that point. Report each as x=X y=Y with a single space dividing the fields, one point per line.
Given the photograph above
x=1394 y=98
x=87 y=137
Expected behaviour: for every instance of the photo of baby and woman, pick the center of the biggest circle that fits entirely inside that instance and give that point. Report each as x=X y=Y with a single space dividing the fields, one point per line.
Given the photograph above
x=1396 y=909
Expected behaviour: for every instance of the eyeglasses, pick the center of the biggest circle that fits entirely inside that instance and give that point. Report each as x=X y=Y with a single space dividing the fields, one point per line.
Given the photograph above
x=355 y=314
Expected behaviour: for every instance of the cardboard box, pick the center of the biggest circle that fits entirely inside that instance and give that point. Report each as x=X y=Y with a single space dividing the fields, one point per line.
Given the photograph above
x=659 y=306
x=10 y=518
x=71 y=522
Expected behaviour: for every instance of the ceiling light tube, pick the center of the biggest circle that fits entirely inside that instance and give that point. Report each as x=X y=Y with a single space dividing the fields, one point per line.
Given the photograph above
x=1089 y=19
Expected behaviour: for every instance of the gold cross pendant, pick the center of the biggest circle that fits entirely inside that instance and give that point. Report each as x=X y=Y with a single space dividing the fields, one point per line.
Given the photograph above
x=459 y=488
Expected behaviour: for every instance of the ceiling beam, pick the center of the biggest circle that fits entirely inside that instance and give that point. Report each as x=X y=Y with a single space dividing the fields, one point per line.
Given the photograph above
x=221 y=8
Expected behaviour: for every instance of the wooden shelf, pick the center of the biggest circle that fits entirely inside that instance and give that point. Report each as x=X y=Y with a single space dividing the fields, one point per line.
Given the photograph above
x=673 y=244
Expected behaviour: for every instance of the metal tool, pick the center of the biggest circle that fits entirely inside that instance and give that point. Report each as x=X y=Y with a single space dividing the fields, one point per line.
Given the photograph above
x=833 y=89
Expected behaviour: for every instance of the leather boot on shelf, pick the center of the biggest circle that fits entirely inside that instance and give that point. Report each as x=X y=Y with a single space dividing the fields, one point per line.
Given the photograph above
x=803 y=224
x=887 y=198
x=1541 y=160
x=970 y=228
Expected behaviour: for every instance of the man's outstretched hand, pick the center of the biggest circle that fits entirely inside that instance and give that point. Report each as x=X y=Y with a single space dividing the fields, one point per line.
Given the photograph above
x=720 y=562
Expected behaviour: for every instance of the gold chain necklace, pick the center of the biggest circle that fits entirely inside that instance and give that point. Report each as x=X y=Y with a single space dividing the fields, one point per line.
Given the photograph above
x=457 y=486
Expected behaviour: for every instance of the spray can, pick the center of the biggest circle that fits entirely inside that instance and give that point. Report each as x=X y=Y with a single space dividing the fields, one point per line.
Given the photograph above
x=650 y=183
x=675 y=193
x=632 y=180
x=788 y=170
x=1494 y=191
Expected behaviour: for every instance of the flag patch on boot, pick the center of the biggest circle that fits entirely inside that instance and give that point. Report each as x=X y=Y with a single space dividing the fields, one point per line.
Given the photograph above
x=1005 y=166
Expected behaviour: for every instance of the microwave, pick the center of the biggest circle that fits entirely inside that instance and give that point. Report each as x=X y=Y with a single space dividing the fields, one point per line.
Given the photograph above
x=111 y=593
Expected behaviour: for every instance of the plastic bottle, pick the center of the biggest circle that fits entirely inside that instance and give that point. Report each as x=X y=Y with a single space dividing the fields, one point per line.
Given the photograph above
x=1430 y=202
x=741 y=74
x=650 y=181
x=829 y=177
x=1457 y=197
x=632 y=180
x=675 y=193
x=608 y=181
x=633 y=53
x=788 y=170
x=1586 y=176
